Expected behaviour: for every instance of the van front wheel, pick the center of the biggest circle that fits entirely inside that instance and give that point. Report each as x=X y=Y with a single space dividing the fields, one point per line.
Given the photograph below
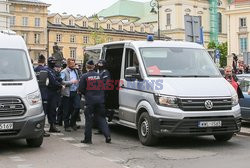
x=36 y=142
x=145 y=131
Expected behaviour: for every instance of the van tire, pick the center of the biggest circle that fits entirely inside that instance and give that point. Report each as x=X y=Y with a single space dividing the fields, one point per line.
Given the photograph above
x=35 y=142
x=223 y=137
x=145 y=131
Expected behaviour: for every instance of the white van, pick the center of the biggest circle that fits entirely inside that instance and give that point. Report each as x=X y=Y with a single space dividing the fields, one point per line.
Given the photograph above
x=169 y=88
x=21 y=112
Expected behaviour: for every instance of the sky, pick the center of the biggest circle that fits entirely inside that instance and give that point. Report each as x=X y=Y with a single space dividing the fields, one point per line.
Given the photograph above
x=83 y=7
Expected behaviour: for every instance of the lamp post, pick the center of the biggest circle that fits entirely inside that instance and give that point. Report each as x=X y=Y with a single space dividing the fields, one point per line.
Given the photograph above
x=155 y=4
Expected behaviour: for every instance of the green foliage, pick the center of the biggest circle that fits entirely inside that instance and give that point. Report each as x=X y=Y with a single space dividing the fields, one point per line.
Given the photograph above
x=223 y=50
x=98 y=36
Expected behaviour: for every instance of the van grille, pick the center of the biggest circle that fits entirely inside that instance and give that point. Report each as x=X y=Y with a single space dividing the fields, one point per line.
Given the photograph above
x=190 y=125
x=11 y=106
x=189 y=104
x=9 y=132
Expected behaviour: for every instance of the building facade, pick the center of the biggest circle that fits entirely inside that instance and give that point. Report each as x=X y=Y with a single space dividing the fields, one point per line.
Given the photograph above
x=173 y=13
x=238 y=14
x=172 y=16
x=74 y=33
x=4 y=14
x=29 y=19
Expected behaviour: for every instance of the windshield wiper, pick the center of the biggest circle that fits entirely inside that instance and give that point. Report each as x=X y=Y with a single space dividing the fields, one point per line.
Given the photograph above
x=196 y=76
x=164 y=76
x=6 y=80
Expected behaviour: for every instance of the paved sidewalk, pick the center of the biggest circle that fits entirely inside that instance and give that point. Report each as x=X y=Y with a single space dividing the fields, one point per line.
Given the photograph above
x=55 y=152
x=245 y=129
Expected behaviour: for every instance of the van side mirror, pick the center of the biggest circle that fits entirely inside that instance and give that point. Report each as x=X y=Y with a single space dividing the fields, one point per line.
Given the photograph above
x=132 y=73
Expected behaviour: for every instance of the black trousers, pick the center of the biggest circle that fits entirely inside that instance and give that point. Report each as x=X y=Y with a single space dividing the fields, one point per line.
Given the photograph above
x=71 y=108
x=97 y=111
x=52 y=102
x=59 y=114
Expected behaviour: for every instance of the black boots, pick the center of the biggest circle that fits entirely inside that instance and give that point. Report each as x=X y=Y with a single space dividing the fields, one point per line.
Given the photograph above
x=53 y=129
x=108 y=140
x=86 y=141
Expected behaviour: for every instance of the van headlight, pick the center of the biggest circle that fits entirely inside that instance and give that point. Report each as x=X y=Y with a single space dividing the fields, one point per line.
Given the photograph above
x=34 y=98
x=168 y=101
x=235 y=100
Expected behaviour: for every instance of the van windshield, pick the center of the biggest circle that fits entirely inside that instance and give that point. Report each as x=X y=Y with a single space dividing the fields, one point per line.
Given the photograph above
x=14 y=65
x=178 y=62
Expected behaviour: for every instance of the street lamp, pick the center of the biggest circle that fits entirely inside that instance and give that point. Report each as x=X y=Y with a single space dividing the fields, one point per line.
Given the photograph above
x=155 y=4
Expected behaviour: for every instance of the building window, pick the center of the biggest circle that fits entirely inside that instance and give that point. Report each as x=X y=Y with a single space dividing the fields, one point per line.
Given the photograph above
x=131 y=28
x=96 y=25
x=84 y=23
x=85 y=39
x=108 y=26
x=73 y=53
x=24 y=9
x=120 y=27
x=243 y=22
x=219 y=22
x=37 y=22
x=12 y=20
x=168 y=19
x=243 y=45
x=37 y=38
x=72 y=38
x=71 y=22
x=37 y=9
x=142 y=29
x=25 y=37
x=58 y=37
x=25 y=21
x=58 y=21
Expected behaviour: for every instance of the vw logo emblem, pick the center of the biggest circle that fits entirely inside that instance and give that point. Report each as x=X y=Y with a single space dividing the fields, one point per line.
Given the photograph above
x=209 y=104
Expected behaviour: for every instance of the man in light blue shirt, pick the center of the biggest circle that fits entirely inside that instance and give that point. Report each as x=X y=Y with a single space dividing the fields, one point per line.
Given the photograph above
x=70 y=99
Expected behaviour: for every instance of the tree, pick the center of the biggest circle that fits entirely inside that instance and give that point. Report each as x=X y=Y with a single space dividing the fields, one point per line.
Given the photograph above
x=222 y=47
x=98 y=36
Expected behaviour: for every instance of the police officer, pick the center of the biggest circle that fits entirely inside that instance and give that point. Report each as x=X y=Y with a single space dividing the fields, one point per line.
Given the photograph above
x=42 y=76
x=54 y=86
x=105 y=76
x=94 y=100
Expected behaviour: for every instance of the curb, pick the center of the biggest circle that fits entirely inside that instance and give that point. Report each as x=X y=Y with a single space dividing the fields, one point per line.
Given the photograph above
x=244 y=133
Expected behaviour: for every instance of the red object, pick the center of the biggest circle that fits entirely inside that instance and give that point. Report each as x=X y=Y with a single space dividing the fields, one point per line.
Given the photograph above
x=240 y=1
x=154 y=70
x=234 y=84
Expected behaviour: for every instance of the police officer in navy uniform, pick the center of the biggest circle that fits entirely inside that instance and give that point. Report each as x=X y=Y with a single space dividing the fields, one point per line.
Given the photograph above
x=94 y=101
x=105 y=76
x=54 y=86
x=42 y=75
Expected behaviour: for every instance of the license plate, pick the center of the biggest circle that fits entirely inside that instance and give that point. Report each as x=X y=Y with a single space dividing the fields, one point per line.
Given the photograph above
x=204 y=124
x=6 y=126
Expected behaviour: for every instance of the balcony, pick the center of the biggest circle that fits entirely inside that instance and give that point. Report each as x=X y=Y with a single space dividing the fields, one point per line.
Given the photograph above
x=243 y=29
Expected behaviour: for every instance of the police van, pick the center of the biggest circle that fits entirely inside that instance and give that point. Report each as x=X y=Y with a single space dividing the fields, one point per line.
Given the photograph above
x=166 y=88
x=21 y=112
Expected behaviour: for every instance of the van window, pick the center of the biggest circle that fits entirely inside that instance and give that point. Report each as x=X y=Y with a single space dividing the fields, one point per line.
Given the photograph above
x=14 y=65
x=131 y=59
x=184 y=62
x=92 y=54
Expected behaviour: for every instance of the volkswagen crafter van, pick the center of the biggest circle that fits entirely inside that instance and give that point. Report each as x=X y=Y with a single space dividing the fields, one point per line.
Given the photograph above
x=21 y=112
x=166 y=88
